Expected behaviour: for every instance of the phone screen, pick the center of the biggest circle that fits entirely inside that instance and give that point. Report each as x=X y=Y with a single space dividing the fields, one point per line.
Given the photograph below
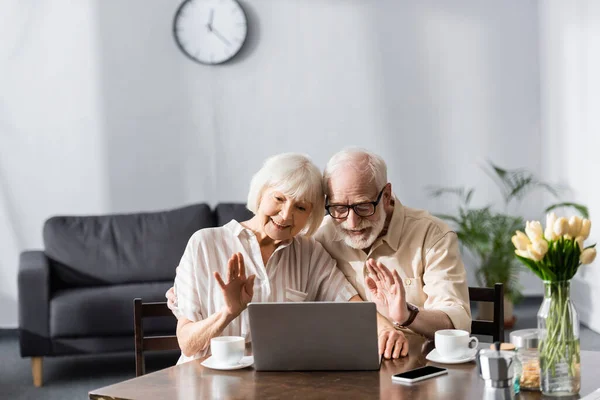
x=419 y=372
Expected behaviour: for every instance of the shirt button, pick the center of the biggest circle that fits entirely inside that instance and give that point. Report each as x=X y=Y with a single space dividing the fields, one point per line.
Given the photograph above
x=407 y=282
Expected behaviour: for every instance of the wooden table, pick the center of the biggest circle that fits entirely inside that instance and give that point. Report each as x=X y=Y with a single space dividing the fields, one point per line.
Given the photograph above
x=192 y=381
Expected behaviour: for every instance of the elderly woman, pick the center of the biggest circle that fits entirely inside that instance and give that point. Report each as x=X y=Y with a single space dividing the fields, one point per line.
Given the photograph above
x=269 y=258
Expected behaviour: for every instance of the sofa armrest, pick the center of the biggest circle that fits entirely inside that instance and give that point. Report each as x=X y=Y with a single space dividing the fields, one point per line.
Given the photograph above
x=34 y=303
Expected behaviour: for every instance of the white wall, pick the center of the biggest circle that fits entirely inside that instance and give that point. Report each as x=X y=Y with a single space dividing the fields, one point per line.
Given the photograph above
x=100 y=112
x=570 y=56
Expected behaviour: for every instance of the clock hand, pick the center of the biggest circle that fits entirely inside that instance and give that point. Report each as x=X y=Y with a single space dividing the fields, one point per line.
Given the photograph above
x=221 y=37
x=210 y=19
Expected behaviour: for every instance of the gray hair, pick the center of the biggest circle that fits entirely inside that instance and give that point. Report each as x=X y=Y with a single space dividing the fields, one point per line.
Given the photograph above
x=294 y=175
x=362 y=161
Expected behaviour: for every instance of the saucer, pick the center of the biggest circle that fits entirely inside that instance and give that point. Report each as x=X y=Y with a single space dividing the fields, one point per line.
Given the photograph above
x=435 y=357
x=243 y=363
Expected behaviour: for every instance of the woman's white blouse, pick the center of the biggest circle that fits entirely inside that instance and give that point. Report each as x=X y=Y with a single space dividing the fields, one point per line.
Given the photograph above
x=298 y=270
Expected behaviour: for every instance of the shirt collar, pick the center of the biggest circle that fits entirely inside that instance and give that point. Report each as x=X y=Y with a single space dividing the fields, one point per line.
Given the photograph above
x=394 y=230
x=235 y=227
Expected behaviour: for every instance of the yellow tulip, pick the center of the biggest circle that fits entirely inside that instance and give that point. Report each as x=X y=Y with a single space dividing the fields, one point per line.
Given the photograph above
x=534 y=231
x=534 y=254
x=549 y=232
x=540 y=247
x=579 y=240
x=561 y=226
x=522 y=253
x=574 y=226
x=520 y=240
x=588 y=256
x=586 y=225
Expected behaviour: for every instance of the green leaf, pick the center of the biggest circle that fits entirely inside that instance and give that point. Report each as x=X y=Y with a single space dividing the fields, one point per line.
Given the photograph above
x=583 y=210
x=532 y=265
x=517 y=183
x=468 y=196
x=464 y=195
x=499 y=171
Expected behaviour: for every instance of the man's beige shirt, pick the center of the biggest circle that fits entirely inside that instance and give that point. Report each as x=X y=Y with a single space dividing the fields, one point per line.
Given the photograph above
x=424 y=251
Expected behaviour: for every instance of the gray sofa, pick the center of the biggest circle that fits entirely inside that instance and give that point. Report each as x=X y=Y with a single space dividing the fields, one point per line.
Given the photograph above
x=76 y=295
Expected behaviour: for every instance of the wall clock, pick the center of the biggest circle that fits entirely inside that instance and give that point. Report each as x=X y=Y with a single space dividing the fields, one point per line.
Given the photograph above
x=210 y=31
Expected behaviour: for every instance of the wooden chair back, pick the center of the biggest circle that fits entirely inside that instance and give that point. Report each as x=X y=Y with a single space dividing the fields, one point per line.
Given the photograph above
x=149 y=343
x=494 y=328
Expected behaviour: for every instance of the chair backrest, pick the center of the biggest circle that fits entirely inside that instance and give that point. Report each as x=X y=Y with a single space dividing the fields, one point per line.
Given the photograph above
x=494 y=328
x=144 y=343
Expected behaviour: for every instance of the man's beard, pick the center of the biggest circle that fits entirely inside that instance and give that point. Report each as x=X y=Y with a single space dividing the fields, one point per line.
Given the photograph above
x=362 y=242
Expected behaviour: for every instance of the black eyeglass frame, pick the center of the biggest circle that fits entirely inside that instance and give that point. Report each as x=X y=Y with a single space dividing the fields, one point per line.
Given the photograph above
x=353 y=206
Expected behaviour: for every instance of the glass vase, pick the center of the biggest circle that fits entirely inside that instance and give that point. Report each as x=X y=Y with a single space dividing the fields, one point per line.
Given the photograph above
x=558 y=326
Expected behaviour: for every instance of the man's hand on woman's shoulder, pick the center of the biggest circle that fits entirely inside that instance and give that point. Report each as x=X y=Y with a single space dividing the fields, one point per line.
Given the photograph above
x=171 y=299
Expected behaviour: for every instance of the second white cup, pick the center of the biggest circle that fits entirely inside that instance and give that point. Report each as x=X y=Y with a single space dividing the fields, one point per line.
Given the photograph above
x=454 y=343
x=227 y=350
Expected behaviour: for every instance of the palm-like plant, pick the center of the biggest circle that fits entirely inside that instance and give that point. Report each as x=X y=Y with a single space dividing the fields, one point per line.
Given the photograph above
x=487 y=232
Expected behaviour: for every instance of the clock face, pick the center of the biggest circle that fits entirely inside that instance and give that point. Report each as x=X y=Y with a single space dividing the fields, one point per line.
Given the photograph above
x=210 y=31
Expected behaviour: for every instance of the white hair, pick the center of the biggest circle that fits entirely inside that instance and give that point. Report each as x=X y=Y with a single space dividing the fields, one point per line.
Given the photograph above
x=296 y=176
x=362 y=161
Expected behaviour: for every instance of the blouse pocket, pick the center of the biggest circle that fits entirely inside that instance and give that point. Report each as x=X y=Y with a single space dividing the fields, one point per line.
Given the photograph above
x=292 y=295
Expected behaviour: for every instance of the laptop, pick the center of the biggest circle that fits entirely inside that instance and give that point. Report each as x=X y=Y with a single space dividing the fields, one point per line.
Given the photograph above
x=314 y=336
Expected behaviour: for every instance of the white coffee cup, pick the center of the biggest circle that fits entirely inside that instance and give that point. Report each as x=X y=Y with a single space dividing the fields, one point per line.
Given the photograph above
x=227 y=350
x=454 y=343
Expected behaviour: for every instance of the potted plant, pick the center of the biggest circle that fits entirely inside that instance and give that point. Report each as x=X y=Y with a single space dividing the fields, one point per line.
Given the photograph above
x=486 y=231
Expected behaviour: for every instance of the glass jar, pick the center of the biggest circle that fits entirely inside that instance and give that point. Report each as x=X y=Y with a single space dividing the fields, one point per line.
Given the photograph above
x=526 y=342
x=558 y=324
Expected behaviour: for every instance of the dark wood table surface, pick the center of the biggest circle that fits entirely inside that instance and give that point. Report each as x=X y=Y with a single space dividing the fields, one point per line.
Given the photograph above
x=193 y=381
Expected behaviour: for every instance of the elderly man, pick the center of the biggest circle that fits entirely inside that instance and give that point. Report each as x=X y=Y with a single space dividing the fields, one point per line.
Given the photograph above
x=368 y=229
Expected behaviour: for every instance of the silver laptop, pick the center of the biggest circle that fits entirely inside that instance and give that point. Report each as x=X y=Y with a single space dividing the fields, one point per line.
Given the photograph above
x=313 y=336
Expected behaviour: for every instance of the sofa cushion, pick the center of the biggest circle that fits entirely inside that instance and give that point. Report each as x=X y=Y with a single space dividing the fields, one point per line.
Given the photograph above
x=225 y=212
x=122 y=248
x=108 y=310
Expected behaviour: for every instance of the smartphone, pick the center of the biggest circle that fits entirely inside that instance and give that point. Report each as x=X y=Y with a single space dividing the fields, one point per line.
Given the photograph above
x=419 y=374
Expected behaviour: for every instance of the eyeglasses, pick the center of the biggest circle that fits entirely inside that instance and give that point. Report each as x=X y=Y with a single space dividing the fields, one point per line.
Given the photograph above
x=366 y=209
